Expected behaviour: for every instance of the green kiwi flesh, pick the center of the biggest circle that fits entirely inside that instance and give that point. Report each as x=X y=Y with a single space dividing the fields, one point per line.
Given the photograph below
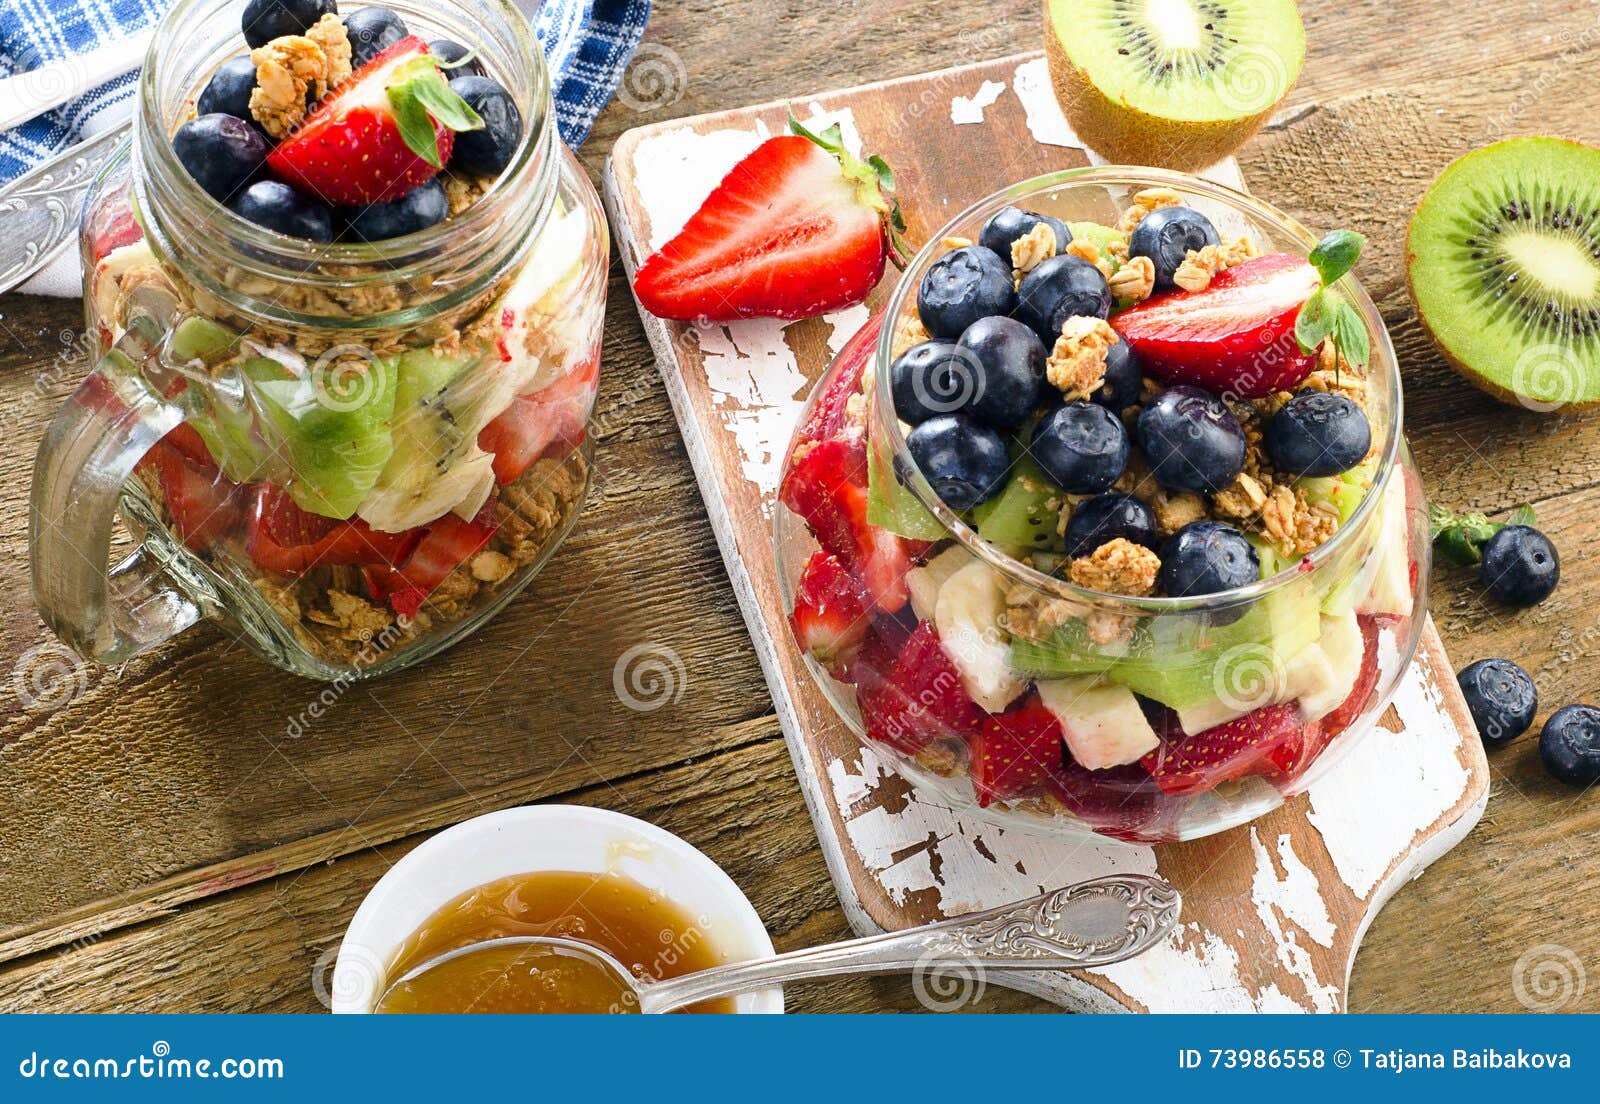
x=1503 y=259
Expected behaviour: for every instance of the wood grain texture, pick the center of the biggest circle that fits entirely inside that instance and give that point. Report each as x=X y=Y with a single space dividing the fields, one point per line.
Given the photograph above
x=165 y=809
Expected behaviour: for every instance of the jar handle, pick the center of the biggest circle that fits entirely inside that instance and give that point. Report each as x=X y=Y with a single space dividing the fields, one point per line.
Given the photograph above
x=104 y=613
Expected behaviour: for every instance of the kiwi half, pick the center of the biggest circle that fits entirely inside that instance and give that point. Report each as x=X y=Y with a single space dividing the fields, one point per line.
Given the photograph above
x=1174 y=83
x=1503 y=260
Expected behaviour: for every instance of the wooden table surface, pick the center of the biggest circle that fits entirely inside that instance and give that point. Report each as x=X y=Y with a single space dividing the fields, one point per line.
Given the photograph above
x=166 y=844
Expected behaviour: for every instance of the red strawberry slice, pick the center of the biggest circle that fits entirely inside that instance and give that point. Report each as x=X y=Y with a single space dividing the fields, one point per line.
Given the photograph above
x=797 y=228
x=187 y=440
x=203 y=503
x=448 y=543
x=921 y=699
x=1016 y=753
x=118 y=230
x=1236 y=337
x=830 y=613
x=1264 y=741
x=356 y=147
x=526 y=430
x=829 y=415
x=1349 y=709
x=291 y=541
x=1119 y=802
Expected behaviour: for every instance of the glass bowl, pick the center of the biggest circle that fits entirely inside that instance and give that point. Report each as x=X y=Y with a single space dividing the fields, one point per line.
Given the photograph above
x=1260 y=689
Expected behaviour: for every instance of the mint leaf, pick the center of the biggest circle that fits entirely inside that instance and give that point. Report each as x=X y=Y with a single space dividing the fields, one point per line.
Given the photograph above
x=444 y=105
x=419 y=95
x=1350 y=334
x=416 y=126
x=1459 y=539
x=1315 y=322
x=1336 y=254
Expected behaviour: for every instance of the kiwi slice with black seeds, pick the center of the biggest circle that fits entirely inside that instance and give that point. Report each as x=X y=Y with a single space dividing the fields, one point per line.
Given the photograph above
x=1503 y=259
x=1176 y=83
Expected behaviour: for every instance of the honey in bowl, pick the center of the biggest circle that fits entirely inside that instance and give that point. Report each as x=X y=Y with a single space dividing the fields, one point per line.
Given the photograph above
x=637 y=926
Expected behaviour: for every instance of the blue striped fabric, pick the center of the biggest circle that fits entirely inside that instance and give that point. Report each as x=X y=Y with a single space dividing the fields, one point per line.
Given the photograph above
x=588 y=42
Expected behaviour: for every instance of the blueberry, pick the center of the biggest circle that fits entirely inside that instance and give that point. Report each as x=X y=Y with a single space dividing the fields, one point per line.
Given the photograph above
x=1501 y=698
x=418 y=209
x=1166 y=236
x=1124 y=379
x=279 y=207
x=963 y=286
x=449 y=52
x=964 y=462
x=372 y=31
x=265 y=20
x=1520 y=566
x=488 y=151
x=926 y=382
x=1107 y=517
x=1207 y=557
x=1569 y=744
x=1058 y=289
x=1082 y=447
x=1009 y=363
x=228 y=90
x=1316 y=433
x=1008 y=224
x=1192 y=440
x=221 y=152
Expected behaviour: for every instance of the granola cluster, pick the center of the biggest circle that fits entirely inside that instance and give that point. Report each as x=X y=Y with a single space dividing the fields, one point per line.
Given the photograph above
x=294 y=70
x=1077 y=364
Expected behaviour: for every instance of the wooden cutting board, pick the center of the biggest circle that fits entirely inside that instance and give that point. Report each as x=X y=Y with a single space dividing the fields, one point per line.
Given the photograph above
x=1273 y=911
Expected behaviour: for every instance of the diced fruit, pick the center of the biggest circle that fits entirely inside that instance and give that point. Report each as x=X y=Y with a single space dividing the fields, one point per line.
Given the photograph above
x=525 y=430
x=418 y=209
x=1366 y=681
x=926 y=581
x=963 y=286
x=964 y=461
x=204 y=505
x=189 y=443
x=1119 y=802
x=1082 y=447
x=1501 y=698
x=1010 y=224
x=1103 y=723
x=1520 y=566
x=1261 y=742
x=1026 y=513
x=831 y=411
x=486 y=151
x=1107 y=517
x=890 y=505
x=1343 y=491
x=277 y=206
x=1236 y=336
x=830 y=613
x=1061 y=288
x=449 y=543
x=120 y=230
x=387 y=129
x=798 y=228
x=967 y=615
x=921 y=700
x=998 y=372
x=1207 y=557
x=1324 y=679
x=221 y=152
x=1016 y=753
x=290 y=541
x=1392 y=591
x=1166 y=236
x=1192 y=440
x=1068 y=651
x=1108 y=241
x=1318 y=433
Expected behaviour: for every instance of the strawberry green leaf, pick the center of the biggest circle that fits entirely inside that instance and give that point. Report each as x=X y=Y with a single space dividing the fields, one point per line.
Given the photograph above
x=1459 y=539
x=419 y=95
x=1315 y=322
x=416 y=126
x=1350 y=334
x=1336 y=254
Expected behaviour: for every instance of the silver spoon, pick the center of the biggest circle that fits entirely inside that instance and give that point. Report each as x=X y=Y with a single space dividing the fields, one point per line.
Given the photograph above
x=1093 y=923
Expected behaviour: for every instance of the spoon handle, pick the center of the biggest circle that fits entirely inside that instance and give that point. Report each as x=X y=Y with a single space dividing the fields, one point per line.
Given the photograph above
x=1093 y=923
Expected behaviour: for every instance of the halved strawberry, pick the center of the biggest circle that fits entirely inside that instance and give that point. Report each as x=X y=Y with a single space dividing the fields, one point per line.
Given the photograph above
x=830 y=413
x=388 y=128
x=1017 y=752
x=799 y=227
x=290 y=541
x=449 y=543
x=526 y=429
x=1236 y=337
x=203 y=503
x=921 y=698
x=830 y=613
x=1264 y=741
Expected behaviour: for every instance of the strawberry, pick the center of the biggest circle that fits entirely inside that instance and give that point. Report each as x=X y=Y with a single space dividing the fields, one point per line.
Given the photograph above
x=1015 y=753
x=1264 y=741
x=203 y=503
x=1347 y=711
x=1118 y=802
x=448 y=543
x=829 y=415
x=799 y=227
x=188 y=441
x=388 y=128
x=290 y=541
x=920 y=700
x=526 y=429
x=830 y=613
x=1236 y=337
x=115 y=232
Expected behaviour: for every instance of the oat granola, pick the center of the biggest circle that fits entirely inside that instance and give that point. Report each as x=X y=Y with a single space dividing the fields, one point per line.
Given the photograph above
x=1077 y=365
x=292 y=68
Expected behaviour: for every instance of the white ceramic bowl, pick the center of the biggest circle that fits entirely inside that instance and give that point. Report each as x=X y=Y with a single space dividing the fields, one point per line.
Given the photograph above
x=537 y=838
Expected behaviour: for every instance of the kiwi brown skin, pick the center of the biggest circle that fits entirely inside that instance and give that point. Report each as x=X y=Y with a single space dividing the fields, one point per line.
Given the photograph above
x=1487 y=386
x=1126 y=136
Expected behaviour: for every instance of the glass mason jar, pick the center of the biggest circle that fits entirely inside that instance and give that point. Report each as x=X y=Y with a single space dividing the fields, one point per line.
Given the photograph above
x=348 y=455
x=1264 y=687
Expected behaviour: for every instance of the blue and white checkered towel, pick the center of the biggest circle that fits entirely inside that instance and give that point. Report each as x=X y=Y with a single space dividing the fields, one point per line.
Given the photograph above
x=588 y=43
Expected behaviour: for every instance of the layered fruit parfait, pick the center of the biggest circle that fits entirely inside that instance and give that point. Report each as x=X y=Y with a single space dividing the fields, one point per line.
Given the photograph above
x=1110 y=519
x=378 y=444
